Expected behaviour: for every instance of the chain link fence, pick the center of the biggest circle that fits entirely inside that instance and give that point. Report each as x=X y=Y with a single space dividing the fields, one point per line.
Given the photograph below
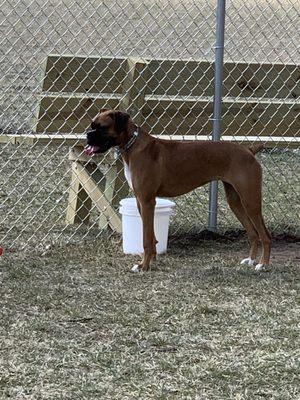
x=63 y=60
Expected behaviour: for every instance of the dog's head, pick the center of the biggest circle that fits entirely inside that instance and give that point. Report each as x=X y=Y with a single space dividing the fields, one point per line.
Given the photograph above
x=108 y=129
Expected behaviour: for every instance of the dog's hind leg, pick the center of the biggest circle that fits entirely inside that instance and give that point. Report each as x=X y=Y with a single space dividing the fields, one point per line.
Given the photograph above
x=237 y=207
x=254 y=213
x=250 y=194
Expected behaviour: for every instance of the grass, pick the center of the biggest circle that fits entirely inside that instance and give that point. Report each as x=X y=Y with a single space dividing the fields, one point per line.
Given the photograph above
x=77 y=324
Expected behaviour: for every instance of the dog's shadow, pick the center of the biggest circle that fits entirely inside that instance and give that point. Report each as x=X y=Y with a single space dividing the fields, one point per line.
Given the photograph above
x=181 y=243
x=198 y=244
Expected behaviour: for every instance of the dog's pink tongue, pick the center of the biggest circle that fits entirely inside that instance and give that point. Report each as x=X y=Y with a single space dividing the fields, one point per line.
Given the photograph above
x=90 y=150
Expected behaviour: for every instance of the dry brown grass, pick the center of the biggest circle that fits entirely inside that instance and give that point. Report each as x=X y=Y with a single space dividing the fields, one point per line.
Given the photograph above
x=75 y=323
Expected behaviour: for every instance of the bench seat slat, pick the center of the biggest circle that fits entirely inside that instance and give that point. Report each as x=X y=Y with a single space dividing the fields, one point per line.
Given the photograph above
x=68 y=114
x=80 y=139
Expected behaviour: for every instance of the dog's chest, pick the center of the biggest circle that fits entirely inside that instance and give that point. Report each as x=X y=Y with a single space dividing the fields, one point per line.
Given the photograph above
x=127 y=175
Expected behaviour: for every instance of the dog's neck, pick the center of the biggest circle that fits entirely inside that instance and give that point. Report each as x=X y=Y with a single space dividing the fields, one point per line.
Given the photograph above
x=124 y=148
x=137 y=139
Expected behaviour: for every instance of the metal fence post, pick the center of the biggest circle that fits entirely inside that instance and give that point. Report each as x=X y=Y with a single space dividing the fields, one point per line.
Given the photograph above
x=219 y=55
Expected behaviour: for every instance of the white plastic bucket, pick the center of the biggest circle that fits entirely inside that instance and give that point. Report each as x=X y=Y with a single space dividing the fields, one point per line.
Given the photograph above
x=132 y=228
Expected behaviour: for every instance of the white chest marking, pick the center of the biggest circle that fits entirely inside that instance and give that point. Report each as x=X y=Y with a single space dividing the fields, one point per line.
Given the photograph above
x=127 y=175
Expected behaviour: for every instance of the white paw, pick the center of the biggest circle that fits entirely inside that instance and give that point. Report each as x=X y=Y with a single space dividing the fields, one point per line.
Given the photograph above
x=248 y=261
x=260 y=267
x=136 y=268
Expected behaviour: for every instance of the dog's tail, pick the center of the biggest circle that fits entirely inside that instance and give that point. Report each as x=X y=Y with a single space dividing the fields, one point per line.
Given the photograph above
x=256 y=148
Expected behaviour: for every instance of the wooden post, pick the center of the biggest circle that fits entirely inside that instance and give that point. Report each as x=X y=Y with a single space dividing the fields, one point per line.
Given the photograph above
x=134 y=88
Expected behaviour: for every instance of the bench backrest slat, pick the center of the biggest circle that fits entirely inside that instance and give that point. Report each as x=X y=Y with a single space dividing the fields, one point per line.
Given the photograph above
x=170 y=96
x=72 y=74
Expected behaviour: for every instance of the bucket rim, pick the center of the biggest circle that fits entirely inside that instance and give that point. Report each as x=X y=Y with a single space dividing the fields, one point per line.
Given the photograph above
x=130 y=202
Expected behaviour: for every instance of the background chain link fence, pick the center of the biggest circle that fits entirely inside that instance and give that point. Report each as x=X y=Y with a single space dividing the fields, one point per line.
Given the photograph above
x=165 y=45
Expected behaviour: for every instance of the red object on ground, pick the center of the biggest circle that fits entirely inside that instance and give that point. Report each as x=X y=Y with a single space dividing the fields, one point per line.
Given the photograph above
x=1 y=251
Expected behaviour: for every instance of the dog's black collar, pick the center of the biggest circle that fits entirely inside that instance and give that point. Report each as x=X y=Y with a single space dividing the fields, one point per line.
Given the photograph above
x=128 y=144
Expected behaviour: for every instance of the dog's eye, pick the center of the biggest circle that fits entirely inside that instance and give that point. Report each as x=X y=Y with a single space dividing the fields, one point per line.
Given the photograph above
x=93 y=125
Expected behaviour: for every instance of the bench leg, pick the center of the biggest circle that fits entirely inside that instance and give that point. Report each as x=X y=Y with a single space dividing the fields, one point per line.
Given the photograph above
x=116 y=189
x=121 y=188
x=79 y=205
x=110 y=179
x=92 y=180
x=89 y=185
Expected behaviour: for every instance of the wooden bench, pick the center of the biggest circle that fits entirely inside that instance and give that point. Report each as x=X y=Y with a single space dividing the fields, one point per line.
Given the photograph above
x=170 y=98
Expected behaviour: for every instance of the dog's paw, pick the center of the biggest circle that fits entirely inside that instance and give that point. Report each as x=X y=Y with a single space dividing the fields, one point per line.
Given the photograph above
x=262 y=268
x=136 y=268
x=248 y=261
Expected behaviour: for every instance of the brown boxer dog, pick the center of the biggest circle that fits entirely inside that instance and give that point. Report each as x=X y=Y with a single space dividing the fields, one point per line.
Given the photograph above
x=168 y=168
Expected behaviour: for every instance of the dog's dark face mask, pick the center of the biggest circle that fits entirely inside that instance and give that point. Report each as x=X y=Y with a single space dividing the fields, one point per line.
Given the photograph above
x=99 y=140
x=107 y=130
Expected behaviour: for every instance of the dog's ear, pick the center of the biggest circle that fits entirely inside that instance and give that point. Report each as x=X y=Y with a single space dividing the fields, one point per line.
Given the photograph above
x=121 y=121
x=103 y=110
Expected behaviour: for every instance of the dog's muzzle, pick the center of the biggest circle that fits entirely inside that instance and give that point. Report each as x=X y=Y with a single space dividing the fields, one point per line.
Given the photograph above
x=98 y=142
x=90 y=149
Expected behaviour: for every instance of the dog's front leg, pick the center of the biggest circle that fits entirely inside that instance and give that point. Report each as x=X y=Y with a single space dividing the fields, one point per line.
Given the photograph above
x=147 y=213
